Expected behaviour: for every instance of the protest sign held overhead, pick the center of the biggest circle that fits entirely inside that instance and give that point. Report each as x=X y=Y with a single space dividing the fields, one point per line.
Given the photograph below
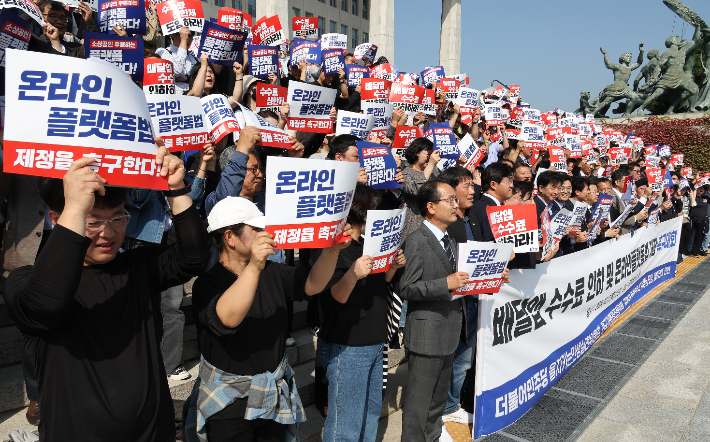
x=271 y=135
x=310 y=107
x=468 y=100
x=432 y=75
x=127 y=13
x=557 y=158
x=124 y=52
x=267 y=31
x=450 y=87
x=365 y=52
x=533 y=136
x=375 y=90
x=379 y=164
x=664 y=151
x=655 y=179
x=263 y=60
x=494 y=115
x=158 y=77
x=514 y=92
x=79 y=108
x=176 y=14
x=515 y=225
x=355 y=74
x=354 y=123
x=219 y=117
x=306 y=51
x=223 y=46
x=307 y=201
x=404 y=135
x=382 y=118
x=384 y=71
x=485 y=263
x=444 y=140
x=270 y=97
x=687 y=172
x=333 y=61
x=383 y=237
x=334 y=41
x=469 y=148
x=178 y=120
x=408 y=97
x=14 y=34
x=305 y=27
x=234 y=19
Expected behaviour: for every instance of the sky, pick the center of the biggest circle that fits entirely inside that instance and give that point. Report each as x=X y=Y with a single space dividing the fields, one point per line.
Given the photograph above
x=550 y=48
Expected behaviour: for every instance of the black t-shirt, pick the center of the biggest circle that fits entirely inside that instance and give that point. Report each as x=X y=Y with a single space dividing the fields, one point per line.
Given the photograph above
x=362 y=320
x=258 y=343
x=94 y=334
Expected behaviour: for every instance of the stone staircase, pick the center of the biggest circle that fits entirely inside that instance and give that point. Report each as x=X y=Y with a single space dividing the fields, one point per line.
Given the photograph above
x=13 y=399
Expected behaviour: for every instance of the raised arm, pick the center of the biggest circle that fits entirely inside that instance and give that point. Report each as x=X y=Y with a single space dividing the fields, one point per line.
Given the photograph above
x=198 y=86
x=607 y=63
x=238 y=84
x=639 y=60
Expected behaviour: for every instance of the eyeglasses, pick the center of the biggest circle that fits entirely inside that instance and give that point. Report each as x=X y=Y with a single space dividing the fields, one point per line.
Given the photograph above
x=255 y=169
x=451 y=201
x=97 y=226
x=55 y=17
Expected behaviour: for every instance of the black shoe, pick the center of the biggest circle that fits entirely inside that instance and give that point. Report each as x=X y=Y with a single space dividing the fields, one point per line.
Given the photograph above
x=704 y=253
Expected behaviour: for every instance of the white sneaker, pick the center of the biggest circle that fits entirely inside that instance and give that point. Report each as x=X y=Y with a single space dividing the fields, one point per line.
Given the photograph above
x=459 y=416
x=445 y=436
x=290 y=342
x=179 y=374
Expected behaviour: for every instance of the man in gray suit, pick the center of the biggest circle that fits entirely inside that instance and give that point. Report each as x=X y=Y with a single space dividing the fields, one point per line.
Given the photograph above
x=618 y=205
x=434 y=321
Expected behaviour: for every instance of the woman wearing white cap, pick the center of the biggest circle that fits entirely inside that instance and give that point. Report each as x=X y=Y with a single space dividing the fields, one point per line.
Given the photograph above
x=246 y=389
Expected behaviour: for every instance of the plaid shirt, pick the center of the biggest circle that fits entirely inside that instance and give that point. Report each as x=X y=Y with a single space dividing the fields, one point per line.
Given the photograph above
x=271 y=396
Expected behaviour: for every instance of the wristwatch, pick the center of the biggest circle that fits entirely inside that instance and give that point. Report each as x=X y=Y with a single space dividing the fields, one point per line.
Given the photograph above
x=178 y=192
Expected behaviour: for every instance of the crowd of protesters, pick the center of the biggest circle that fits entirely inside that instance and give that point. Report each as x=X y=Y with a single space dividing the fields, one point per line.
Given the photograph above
x=94 y=274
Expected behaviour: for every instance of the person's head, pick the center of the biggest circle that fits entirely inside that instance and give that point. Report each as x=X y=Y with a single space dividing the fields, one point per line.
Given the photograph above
x=565 y=188
x=349 y=58
x=270 y=116
x=526 y=192
x=254 y=179
x=604 y=186
x=325 y=79
x=210 y=86
x=586 y=168
x=675 y=177
x=571 y=163
x=517 y=198
x=461 y=180
x=635 y=170
x=249 y=91
x=653 y=53
x=522 y=172
x=176 y=38
x=418 y=152
x=232 y=224
x=580 y=188
x=365 y=198
x=497 y=179
x=700 y=191
x=592 y=194
x=641 y=186
x=105 y=224
x=438 y=203
x=672 y=40
x=626 y=57
x=548 y=186
x=344 y=148
x=55 y=14
x=617 y=178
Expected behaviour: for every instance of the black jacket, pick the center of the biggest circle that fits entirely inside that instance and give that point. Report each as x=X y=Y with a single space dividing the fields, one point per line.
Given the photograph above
x=457 y=230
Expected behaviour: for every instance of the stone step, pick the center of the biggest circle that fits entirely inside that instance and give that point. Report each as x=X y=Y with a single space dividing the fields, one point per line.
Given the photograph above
x=5 y=318
x=11 y=343
x=12 y=388
x=14 y=420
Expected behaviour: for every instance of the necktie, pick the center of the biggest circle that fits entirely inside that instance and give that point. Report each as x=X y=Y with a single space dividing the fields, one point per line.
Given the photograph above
x=449 y=252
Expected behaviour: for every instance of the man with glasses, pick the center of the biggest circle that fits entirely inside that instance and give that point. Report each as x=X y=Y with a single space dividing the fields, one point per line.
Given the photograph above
x=52 y=40
x=91 y=314
x=497 y=187
x=435 y=322
x=180 y=56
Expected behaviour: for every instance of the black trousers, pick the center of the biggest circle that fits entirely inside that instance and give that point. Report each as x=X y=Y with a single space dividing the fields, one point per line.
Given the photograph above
x=697 y=227
x=242 y=430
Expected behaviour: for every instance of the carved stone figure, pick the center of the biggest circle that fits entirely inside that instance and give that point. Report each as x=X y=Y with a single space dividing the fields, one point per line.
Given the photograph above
x=583 y=104
x=651 y=72
x=620 y=87
x=702 y=103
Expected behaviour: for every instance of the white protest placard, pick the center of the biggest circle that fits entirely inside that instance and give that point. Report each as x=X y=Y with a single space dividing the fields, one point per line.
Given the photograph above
x=493 y=114
x=219 y=117
x=485 y=263
x=26 y=6
x=365 y=52
x=272 y=136
x=178 y=120
x=558 y=225
x=468 y=100
x=174 y=15
x=383 y=237
x=310 y=107
x=541 y=323
x=579 y=216
x=382 y=117
x=533 y=135
x=515 y=225
x=354 y=123
x=469 y=148
x=78 y=108
x=334 y=41
x=307 y=201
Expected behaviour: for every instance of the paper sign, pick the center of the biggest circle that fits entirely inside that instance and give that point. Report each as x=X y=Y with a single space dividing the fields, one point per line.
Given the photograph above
x=176 y=14
x=332 y=61
x=334 y=41
x=355 y=74
x=677 y=159
x=310 y=107
x=382 y=118
x=579 y=216
x=533 y=136
x=158 y=77
x=128 y=13
x=305 y=27
x=307 y=201
x=233 y=19
x=124 y=52
x=270 y=97
x=407 y=97
x=652 y=162
x=384 y=71
x=450 y=87
x=620 y=220
x=468 y=100
x=557 y=159
x=664 y=151
x=404 y=135
x=432 y=75
x=444 y=140
x=271 y=135
x=263 y=60
x=267 y=31
x=379 y=164
x=515 y=225
x=307 y=51
x=354 y=123
x=26 y=6
x=494 y=115
x=687 y=172
x=485 y=263
x=514 y=92
x=600 y=213
x=555 y=137
x=219 y=117
x=14 y=33
x=365 y=52
x=469 y=148
x=655 y=179
x=619 y=155
x=383 y=237
x=178 y=120
x=77 y=108
x=652 y=149
x=223 y=46
x=558 y=225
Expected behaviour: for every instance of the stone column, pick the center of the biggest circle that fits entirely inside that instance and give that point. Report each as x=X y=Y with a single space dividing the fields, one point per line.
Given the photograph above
x=269 y=8
x=382 y=28
x=450 y=40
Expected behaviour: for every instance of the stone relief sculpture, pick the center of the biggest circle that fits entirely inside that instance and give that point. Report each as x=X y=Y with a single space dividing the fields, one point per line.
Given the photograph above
x=619 y=89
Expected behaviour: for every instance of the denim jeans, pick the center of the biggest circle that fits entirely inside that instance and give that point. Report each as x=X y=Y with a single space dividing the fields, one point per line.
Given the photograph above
x=706 y=242
x=403 y=316
x=354 y=392
x=173 y=325
x=463 y=357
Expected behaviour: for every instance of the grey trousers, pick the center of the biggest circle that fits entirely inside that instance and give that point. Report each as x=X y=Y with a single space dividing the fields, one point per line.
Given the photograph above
x=425 y=397
x=173 y=325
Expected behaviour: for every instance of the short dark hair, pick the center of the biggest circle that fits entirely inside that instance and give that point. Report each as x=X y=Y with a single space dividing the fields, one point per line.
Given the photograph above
x=641 y=182
x=520 y=164
x=428 y=193
x=453 y=176
x=619 y=174
x=546 y=178
x=217 y=237
x=578 y=185
x=341 y=144
x=365 y=198
x=415 y=148
x=193 y=75
x=52 y=4
x=496 y=172
x=564 y=177
x=268 y=113
x=602 y=179
x=592 y=180
x=572 y=160
x=525 y=187
x=52 y=193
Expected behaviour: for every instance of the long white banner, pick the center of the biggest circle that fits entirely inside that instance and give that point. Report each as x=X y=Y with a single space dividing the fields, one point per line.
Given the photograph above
x=544 y=320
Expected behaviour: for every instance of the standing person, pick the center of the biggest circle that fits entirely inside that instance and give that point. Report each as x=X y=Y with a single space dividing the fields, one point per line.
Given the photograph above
x=422 y=160
x=697 y=226
x=434 y=321
x=497 y=187
x=183 y=60
x=52 y=41
x=91 y=315
x=618 y=205
x=246 y=390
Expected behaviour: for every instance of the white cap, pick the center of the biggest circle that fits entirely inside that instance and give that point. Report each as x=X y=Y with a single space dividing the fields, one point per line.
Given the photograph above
x=235 y=210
